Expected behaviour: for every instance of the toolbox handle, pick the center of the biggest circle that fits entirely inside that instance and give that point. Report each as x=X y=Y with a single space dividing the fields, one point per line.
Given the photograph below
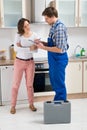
x=57 y=102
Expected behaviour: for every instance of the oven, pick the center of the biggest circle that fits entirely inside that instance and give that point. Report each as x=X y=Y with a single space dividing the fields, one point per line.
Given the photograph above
x=41 y=79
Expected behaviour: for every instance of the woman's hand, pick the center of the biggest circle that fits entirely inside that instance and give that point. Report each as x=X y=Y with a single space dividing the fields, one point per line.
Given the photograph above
x=19 y=44
x=33 y=47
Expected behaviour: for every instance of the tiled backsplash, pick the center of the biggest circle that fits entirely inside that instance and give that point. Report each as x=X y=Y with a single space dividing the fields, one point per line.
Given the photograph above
x=76 y=36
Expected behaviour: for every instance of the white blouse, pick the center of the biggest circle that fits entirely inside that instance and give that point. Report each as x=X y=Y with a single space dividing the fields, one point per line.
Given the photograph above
x=24 y=51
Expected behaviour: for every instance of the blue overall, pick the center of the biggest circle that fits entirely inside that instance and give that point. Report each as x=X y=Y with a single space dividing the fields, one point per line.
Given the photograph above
x=57 y=64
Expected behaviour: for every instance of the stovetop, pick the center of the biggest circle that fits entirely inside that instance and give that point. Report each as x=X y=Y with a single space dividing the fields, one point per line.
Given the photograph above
x=41 y=59
x=41 y=63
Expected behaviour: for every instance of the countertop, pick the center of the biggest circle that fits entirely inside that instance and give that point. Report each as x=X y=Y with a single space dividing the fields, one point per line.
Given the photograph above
x=77 y=59
x=11 y=62
x=39 y=60
x=6 y=62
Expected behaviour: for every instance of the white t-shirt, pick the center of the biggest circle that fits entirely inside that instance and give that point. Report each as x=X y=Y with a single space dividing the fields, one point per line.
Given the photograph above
x=24 y=51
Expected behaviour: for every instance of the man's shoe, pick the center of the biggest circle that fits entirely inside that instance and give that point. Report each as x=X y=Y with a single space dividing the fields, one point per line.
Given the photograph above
x=13 y=110
x=33 y=108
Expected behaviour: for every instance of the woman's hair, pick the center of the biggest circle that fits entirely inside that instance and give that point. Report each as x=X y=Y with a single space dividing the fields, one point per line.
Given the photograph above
x=20 y=25
x=50 y=12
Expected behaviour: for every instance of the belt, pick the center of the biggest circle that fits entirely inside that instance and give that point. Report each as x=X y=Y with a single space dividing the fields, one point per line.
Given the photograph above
x=25 y=59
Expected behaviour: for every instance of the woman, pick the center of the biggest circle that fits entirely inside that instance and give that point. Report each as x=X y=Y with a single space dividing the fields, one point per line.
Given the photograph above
x=24 y=62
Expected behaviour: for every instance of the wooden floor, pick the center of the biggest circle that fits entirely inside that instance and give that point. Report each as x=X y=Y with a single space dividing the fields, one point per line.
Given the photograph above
x=69 y=96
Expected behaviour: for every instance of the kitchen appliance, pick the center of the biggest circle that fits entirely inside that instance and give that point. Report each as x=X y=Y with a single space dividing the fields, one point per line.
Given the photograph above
x=41 y=79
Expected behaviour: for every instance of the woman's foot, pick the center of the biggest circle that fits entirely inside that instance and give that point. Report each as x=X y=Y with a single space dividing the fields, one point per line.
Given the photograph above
x=32 y=107
x=13 y=110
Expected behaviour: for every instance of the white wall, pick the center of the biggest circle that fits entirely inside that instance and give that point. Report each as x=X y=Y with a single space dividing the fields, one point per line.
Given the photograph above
x=75 y=36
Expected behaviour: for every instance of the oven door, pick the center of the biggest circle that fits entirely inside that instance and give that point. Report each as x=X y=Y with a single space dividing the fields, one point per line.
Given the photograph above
x=42 y=81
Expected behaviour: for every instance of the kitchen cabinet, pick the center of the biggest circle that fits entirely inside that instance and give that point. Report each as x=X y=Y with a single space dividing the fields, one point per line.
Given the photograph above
x=67 y=11
x=85 y=76
x=76 y=82
x=83 y=13
x=6 y=74
x=11 y=11
x=72 y=12
x=74 y=77
x=0 y=91
x=38 y=7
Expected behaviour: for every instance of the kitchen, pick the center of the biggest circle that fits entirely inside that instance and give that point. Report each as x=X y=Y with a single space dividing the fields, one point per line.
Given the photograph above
x=77 y=36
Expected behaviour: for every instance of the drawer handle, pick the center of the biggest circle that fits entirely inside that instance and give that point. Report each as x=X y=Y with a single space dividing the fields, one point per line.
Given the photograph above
x=79 y=67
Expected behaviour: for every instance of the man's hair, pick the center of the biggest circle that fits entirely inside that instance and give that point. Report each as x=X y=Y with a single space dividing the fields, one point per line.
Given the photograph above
x=50 y=12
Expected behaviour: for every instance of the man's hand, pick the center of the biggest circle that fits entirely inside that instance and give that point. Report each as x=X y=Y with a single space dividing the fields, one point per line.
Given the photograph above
x=40 y=45
x=37 y=41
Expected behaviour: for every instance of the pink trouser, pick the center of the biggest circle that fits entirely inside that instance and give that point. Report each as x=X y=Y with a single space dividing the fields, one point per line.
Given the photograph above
x=28 y=67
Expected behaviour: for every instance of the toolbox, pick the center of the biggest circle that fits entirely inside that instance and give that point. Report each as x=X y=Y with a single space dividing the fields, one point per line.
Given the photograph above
x=57 y=112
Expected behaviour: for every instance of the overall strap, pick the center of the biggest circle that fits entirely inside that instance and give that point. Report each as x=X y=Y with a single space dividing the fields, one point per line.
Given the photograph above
x=55 y=27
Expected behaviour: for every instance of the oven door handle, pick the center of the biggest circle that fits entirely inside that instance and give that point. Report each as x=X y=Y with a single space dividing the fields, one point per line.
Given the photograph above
x=37 y=72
